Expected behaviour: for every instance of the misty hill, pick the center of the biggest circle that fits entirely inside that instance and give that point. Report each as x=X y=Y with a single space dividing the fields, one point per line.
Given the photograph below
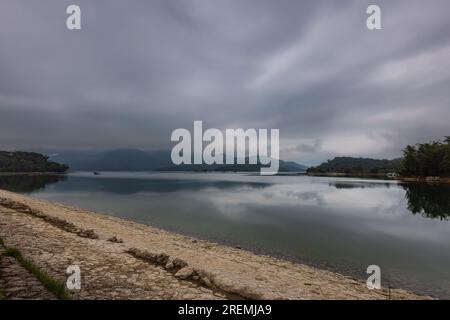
x=285 y=166
x=114 y=160
x=138 y=160
x=28 y=162
x=349 y=165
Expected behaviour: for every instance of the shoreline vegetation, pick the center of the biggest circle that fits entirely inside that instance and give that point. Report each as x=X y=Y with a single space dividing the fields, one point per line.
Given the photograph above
x=25 y=162
x=426 y=162
x=135 y=261
x=429 y=162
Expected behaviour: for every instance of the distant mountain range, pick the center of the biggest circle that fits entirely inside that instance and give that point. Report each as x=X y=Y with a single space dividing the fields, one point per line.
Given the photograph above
x=113 y=160
x=138 y=160
x=284 y=166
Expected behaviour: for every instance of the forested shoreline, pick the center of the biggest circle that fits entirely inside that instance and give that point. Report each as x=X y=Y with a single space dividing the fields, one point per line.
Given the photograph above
x=427 y=159
x=421 y=160
x=20 y=161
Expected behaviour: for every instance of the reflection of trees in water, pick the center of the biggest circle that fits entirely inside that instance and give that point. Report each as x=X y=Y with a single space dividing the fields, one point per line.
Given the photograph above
x=361 y=185
x=428 y=200
x=28 y=183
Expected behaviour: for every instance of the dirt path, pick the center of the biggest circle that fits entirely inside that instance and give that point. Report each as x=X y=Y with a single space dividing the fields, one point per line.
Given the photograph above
x=126 y=260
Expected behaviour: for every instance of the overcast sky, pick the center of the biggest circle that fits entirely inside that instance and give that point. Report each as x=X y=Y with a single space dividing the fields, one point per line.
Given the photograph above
x=140 y=69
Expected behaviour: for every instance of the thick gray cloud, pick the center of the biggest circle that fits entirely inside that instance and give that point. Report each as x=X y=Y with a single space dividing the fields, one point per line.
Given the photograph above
x=139 y=69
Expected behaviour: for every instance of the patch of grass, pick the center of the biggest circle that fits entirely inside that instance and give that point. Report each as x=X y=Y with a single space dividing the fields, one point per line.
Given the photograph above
x=53 y=285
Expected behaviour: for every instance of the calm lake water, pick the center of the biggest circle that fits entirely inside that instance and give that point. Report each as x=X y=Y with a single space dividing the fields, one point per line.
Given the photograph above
x=343 y=224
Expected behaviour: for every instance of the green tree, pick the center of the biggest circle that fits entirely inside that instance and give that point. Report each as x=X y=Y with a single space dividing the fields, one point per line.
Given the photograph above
x=427 y=159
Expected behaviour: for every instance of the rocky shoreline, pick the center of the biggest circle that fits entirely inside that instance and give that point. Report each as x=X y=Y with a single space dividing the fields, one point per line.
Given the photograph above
x=120 y=259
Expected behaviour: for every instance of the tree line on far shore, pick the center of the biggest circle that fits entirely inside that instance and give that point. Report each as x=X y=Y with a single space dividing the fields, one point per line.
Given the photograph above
x=28 y=162
x=350 y=165
x=427 y=159
x=421 y=160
